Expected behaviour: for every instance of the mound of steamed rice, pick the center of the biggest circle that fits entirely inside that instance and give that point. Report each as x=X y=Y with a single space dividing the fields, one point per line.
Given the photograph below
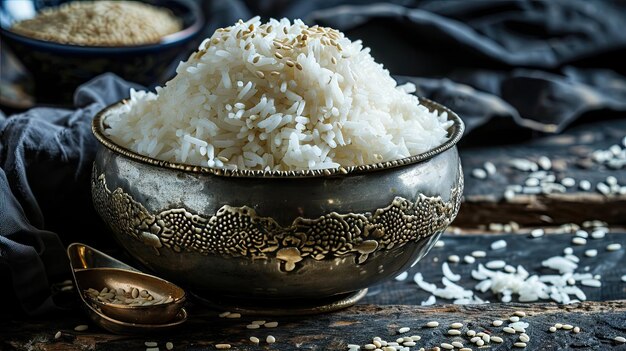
x=278 y=96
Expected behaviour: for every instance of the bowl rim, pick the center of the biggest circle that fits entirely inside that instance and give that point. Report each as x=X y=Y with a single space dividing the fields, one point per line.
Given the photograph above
x=166 y=41
x=455 y=132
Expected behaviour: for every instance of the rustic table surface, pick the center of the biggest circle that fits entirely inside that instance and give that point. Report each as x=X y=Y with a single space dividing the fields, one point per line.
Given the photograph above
x=484 y=218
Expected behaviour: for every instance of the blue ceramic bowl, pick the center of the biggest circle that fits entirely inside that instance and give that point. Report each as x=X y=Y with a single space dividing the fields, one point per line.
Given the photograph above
x=58 y=69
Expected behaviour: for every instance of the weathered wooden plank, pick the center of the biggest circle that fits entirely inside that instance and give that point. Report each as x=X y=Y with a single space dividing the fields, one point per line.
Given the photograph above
x=599 y=323
x=484 y=201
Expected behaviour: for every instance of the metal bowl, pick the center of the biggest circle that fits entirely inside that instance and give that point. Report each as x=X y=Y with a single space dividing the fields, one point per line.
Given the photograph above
x=277 y=235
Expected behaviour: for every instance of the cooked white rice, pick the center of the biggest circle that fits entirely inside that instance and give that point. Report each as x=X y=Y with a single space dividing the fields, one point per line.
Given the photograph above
x=278 y=96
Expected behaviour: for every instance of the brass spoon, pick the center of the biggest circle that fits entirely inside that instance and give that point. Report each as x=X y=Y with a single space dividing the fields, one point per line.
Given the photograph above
x=94 y=269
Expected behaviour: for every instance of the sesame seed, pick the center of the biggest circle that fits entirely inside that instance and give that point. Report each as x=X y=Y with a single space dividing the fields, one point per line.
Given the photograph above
x=58 y=335
x=591 y=253
x=253 y=326
x=453 y=258
x=299 y=66
x=558 y=325
x=524 y=338
x=620 y=339
x=475 y=339
x=81 y=327
x=496 y=339
x=432 y=324
x=222 y=346
x=532 y=182
x=568 y=182
x=496 y=264
x=613 y=247
x=544 y=163
x=480 y=342
x=270 y=339
x=278 y=55
x=169 y=345
x=290 y=63
x=584 y=185
x=594 y=283
x=568 y=326
x=603 y=188
x=598 y=234
x=457 y=344
x=479 y=254
x=552 y=329
x=536 y=233
x=469 y=259
x=508 y=330
x=152 y=349
x=454 y=332
x=151 y=344
x=369 y=347
x=509 y=194
x=479 y=173
x=470 y=333
x=233 y=315
x=271 y=325
x=416 y=338
x=254 y=339
x=260 y=74
x=514 y=319
x=499 y=244
x=440 y=243
x=377 y=343
x=576 y=330
x=409 y=343
x=486 y=338
x=404 y=330
x=447 y=346
x=520 y=344
x=579 y=241
x=456 y=325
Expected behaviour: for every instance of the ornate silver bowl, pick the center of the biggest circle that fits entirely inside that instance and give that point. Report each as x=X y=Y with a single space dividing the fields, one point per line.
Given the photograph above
x=244 y=235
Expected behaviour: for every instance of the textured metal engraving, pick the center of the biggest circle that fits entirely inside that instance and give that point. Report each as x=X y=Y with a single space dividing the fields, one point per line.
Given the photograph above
x=241 y=232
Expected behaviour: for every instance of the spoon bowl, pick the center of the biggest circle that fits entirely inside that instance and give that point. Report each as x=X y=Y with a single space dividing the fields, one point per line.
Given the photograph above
x=167 y=300
x=94 y=269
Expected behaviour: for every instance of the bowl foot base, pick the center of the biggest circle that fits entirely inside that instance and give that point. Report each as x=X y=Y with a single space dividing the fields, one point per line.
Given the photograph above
x=280 y=307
